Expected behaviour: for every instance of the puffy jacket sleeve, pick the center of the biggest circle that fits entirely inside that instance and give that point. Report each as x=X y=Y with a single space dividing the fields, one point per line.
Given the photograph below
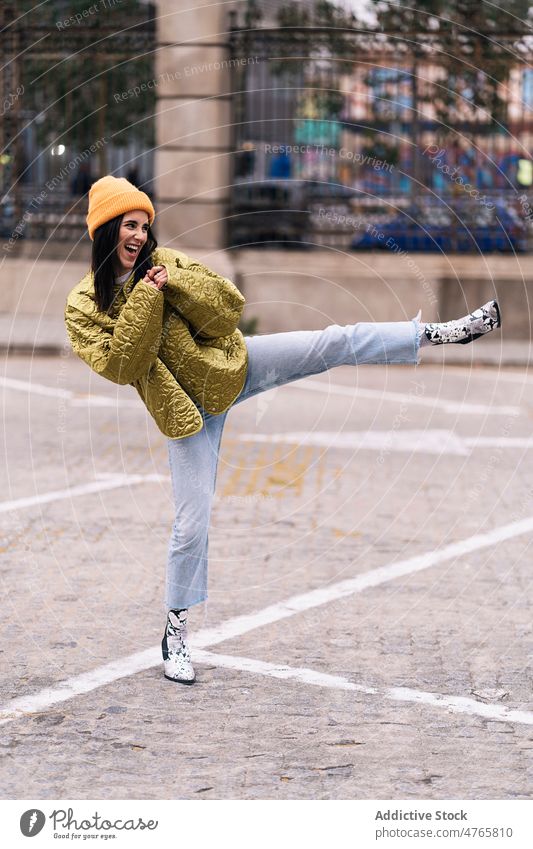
x=212 y=304
x=126 y=353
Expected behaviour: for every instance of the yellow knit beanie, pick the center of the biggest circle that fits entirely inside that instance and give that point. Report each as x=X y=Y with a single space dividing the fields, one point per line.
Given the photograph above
x=112 y=196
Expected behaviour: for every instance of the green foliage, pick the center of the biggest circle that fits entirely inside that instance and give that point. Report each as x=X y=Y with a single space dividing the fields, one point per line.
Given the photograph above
x=293 y=15
x=248 y=326
x=322 y=32
x=252 y=14
x=475 y=43
x=71 y=76
x=375 y=147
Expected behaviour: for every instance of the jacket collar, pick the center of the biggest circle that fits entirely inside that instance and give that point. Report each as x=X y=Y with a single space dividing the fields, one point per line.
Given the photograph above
x=126 y=286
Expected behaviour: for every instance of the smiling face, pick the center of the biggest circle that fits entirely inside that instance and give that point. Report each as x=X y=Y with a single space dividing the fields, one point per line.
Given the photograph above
x=132 y=235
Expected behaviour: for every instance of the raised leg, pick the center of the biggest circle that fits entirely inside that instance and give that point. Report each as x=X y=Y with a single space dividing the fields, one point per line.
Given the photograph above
x=274 y=359
x=278 y=358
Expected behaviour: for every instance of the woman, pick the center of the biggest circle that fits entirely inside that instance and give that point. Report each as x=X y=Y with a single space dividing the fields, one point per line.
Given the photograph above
x=166 y=324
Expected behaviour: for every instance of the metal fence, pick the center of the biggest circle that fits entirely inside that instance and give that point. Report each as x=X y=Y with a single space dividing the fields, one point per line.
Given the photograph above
x=363 y=158
x=61 y=126
x=377 y=145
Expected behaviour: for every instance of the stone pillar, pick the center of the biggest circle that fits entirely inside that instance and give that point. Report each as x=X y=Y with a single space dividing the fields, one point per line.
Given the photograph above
x=193 y=123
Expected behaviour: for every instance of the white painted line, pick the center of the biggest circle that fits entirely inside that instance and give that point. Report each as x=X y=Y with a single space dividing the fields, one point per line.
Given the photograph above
x=79 y=400
x=412 y=441
x=107 y=482
x=104 y=401
x=76 y=399
x=495 y=374
x=499 y=441
x=376 y=394
x=452 y=704
x=79 y=684
x=37 y=388
x=240 y=625
x=306 y=601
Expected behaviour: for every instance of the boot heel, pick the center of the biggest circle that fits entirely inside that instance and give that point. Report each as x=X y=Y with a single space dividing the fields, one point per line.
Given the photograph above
x=175 y=650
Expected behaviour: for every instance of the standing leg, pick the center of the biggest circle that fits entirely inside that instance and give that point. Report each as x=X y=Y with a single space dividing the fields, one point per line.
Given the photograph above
x=193 y=468
x=278 y=358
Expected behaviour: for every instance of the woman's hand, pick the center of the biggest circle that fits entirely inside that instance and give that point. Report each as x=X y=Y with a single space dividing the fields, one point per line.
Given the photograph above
x=156 y=276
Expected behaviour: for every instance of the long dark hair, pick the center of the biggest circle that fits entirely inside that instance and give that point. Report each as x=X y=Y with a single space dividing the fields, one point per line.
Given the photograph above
x=104 y=244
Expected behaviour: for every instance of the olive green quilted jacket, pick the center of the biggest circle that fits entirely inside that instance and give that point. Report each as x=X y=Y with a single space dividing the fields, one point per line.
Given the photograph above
x=175 y=345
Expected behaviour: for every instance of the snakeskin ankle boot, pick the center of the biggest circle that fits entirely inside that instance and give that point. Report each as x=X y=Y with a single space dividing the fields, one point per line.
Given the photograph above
x=465 y=330
x=176 y=653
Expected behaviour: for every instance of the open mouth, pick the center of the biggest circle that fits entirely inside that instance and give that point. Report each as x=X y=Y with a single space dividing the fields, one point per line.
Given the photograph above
x=132 y=249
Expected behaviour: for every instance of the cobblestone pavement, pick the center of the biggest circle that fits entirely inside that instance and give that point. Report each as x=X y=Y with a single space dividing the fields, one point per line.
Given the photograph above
x=83 y=578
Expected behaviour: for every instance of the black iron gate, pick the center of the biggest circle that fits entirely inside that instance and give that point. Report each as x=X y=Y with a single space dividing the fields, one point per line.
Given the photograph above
x=66 y=119
x=375 y=149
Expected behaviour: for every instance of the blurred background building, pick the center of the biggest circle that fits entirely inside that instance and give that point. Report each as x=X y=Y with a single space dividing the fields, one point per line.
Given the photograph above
x=301 y=103
x=352 y=126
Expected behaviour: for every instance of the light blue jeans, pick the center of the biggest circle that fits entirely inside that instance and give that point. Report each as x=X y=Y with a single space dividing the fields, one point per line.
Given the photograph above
x=273 y=359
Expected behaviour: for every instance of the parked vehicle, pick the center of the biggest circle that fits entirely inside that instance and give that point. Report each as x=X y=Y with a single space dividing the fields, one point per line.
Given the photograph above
x=434 y=227
x=266 y=211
